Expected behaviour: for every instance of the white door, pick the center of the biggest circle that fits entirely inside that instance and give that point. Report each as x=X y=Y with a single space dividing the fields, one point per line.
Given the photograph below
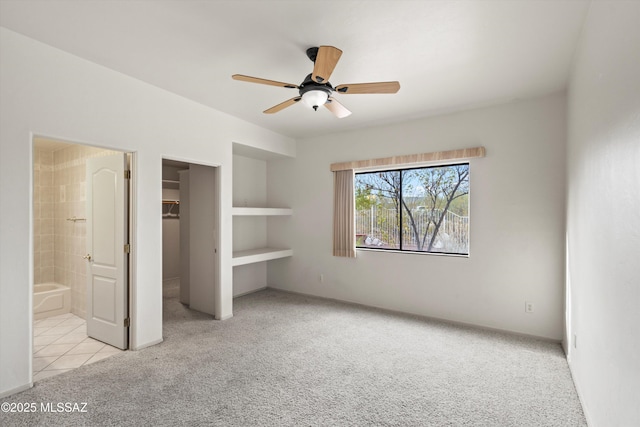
x=107 y=290
x=202 y=238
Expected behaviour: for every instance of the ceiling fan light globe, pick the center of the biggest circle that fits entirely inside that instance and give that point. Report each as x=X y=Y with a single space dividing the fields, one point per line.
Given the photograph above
x=315 y=98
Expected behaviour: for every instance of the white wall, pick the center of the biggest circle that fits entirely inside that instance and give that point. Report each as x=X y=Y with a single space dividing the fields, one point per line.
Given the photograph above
x=249 y=182
x=603 y=215
x=45 y=91
x=517 y=221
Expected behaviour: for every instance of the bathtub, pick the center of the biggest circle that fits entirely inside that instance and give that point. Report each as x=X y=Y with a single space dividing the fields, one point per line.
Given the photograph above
x=50 y=299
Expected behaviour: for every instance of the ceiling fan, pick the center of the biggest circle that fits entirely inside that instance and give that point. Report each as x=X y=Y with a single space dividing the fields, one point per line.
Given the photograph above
x=316 y=90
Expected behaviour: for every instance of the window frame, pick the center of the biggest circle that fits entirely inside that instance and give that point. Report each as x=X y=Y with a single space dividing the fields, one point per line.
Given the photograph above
x=400 y=170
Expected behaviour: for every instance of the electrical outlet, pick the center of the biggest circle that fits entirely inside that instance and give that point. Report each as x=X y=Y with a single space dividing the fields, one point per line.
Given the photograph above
x=528 y=307
x=321 y=278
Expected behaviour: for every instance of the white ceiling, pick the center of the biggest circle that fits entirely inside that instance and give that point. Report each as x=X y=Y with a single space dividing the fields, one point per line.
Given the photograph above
x=447 y=55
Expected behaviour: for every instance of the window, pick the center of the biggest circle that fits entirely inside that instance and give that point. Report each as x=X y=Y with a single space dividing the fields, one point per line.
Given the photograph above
x=416 y=210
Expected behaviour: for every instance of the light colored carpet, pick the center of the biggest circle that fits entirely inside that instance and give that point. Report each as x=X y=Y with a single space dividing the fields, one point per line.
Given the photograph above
x=290 y=360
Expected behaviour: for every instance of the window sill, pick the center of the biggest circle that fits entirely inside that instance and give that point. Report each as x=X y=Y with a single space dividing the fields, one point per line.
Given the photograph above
x=395 y=251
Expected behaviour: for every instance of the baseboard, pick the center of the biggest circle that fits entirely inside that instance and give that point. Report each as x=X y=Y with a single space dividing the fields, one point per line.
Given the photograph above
x=423 y=316
x=227 y=317
x=253 y=291
x=16 y=390
x=575 y=385
x=147 y=344
x=565 y=347
x=80 y=314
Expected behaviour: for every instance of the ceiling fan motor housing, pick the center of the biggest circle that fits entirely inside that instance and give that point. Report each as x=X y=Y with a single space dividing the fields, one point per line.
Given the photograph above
x=309 y=85
x=312 y=53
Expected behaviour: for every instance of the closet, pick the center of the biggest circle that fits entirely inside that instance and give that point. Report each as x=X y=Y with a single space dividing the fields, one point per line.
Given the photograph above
x=190 y=211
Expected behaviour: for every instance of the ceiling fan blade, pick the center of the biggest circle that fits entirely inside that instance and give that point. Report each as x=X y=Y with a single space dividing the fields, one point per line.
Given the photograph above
x=380 y=87
x=336 y=108
x=282 y=105
x=326 y=61
x=263 y=81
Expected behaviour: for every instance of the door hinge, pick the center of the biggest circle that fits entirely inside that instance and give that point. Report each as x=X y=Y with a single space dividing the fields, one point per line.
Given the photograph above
x=127 y=174
x=127 y=322
x=127 y=248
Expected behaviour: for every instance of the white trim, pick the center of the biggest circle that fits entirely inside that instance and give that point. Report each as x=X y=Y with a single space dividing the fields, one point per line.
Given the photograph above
x=147 y=344
x=582 y=404
x=253 y=291
x=16 y=390
x=133 y=252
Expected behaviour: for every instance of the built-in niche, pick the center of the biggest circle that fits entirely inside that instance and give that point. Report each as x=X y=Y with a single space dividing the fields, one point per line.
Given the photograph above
x=252 y=214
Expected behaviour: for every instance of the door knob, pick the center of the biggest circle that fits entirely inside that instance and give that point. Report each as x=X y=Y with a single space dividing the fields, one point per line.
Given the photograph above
x=87 y=257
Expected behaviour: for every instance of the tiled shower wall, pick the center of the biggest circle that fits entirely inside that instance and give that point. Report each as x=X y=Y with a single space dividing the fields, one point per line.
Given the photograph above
x=43 y=223
x=64 y=198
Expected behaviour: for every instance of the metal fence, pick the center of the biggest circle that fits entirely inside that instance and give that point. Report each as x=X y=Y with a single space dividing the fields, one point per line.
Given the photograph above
x=378 y=227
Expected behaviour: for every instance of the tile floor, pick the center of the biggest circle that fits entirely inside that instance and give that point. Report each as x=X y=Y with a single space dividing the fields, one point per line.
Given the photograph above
x=60 y=344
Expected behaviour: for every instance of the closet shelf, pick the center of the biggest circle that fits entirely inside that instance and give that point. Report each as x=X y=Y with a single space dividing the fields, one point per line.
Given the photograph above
x=258 y=255
x=241 y=211
x=170 y=183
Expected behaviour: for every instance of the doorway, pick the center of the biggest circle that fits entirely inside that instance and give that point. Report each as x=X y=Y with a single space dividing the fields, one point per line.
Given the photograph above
x=62 y=224
x=190 y=238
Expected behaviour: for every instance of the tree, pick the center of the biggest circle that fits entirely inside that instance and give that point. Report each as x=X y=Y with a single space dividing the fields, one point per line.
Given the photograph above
x=364 y=197
x=382 y=191
x=441 y=187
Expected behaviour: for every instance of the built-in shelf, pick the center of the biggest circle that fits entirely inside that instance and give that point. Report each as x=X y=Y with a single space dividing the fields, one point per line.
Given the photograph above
x=258 y=255
x=250 y=223
x=170 y=183
x=261 y=211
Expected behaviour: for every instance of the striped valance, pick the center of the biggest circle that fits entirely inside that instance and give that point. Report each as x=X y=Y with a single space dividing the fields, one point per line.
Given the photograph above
x=410 y=159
